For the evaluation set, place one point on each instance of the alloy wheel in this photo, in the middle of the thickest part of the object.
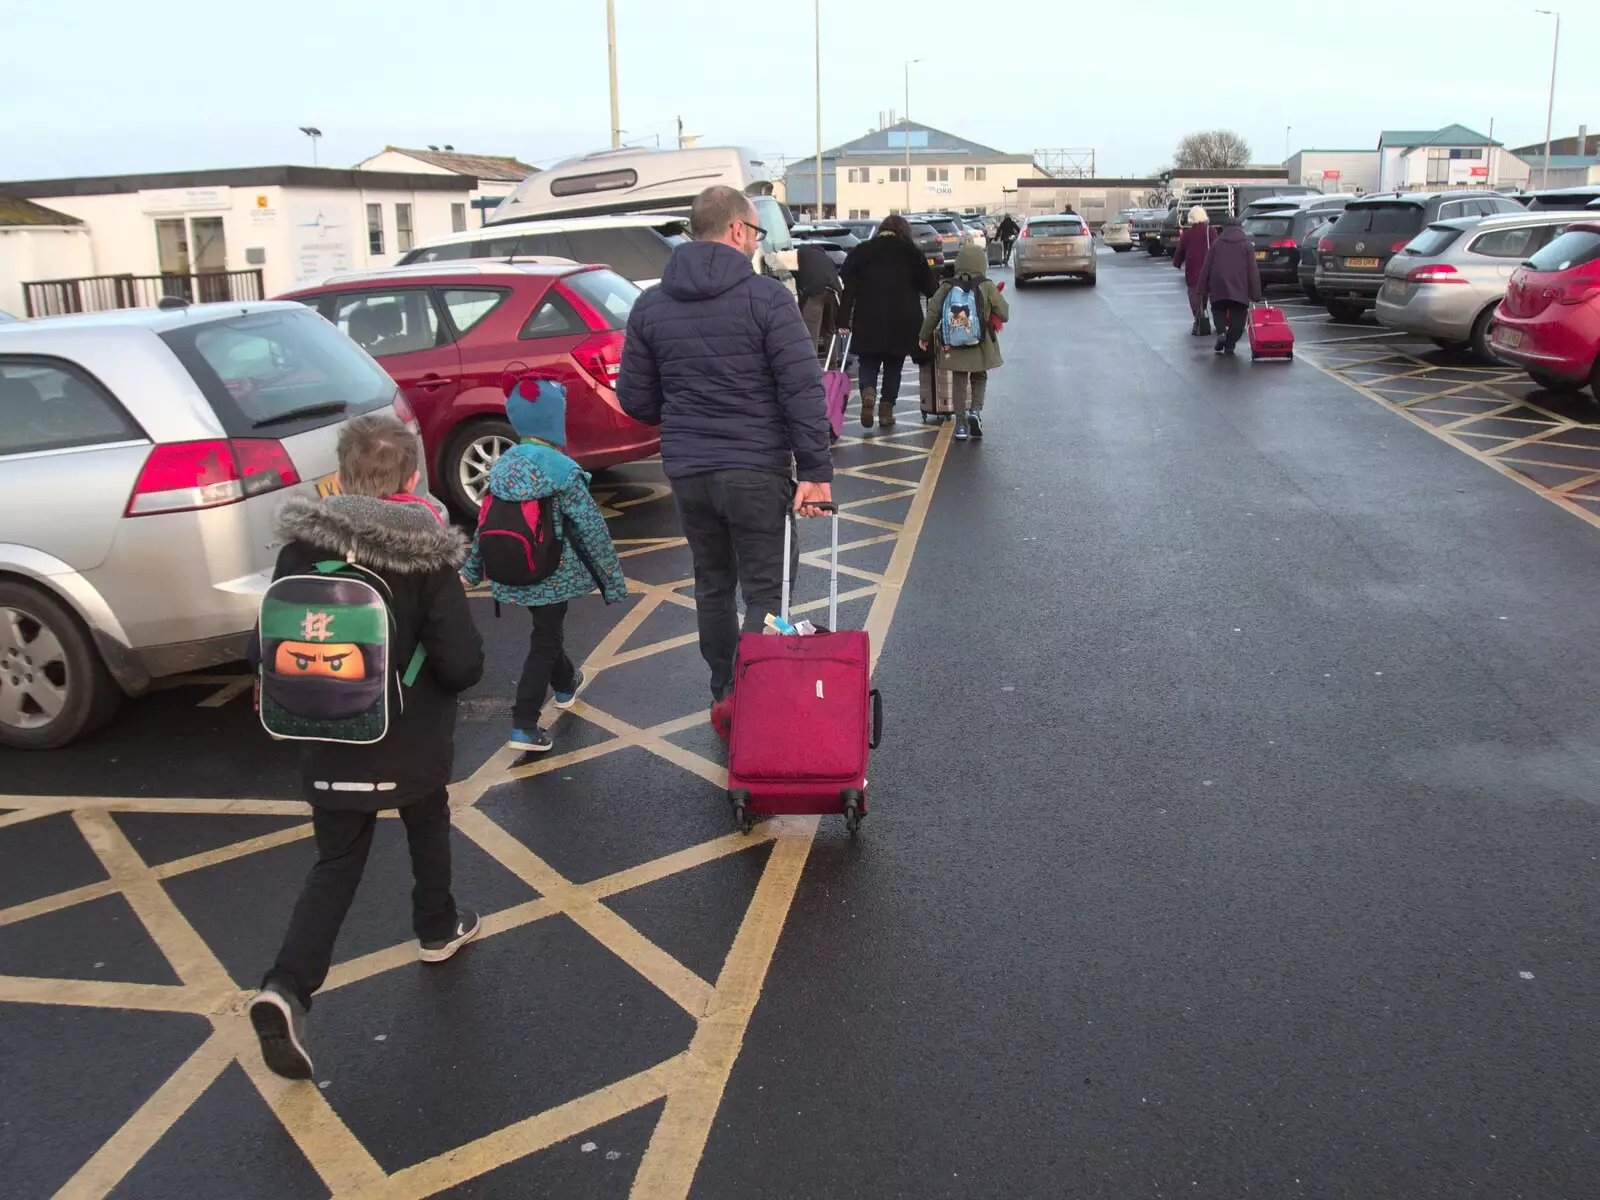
(33, 671)
(477, 460)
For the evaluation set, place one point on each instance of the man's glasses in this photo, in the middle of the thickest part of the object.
(760, 232)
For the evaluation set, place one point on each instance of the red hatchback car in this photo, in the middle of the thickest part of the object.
(448, 332)
(1549, 321)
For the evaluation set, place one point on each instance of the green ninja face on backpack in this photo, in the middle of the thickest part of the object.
(324, 659)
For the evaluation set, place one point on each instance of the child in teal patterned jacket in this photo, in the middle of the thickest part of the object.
(538, 470)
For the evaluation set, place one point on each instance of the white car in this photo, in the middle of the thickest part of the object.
(634, 246)
(1117, 232)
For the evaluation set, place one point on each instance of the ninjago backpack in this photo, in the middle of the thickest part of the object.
(327, 643)
(518, 540)
(959, 323)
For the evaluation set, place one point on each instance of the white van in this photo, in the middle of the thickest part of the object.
(634, 246)
(652, 181)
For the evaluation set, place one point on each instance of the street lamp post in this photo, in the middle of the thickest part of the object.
(312, 132)
(1549, 111)
(818, 35)
(909, 61)
(611, 56)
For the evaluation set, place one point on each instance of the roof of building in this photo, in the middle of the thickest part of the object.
(1328, 150)
(1450, 135)
(1560, 162)
(1563, 145)
(16, 211)
(1079, 181)
(925, 139)
(495, 167)
(281, 176)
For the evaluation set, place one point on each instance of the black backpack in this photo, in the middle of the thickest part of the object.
(517, 540)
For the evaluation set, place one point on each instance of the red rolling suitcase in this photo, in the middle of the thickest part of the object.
(1270, 335)
(806, 717)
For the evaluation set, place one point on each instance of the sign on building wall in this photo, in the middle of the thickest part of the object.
(938, 189)
(182, 200)
(321, 241)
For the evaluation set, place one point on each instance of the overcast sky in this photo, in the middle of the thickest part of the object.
(104, 86)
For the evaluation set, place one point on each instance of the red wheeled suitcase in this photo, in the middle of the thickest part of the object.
(806, 717)
(836, 385)
(1270, 335)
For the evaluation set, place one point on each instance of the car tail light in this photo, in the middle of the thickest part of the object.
(1579, 284)
(1399, 246)
(1325, 246)
(937, 240)
(1285, 244)
(1434, 273)
(182, 476)
(406, 414)
(601, 356)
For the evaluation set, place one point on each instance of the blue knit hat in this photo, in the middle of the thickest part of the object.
(537, 408)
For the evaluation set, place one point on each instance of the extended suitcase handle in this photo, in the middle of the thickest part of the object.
(827, 363)
(877, 718)
(827, 506)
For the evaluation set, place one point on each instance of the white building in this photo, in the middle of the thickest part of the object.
(37, 243)
(869, 176)
(238, 233)
(1350, 171)
(1452, 157)
(497, 174)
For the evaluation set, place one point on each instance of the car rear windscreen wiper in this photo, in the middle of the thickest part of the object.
(328, 408)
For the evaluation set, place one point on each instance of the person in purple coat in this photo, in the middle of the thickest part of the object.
(1191, 256)
(1230, 281)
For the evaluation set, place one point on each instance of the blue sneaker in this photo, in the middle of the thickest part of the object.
(538, 741)
(961, 431)
(566, 699)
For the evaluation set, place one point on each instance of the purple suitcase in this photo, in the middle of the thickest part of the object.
(836, 385)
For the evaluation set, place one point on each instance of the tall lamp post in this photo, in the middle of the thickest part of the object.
(818, 33)
(611, 57)
(909, 62)
(312, 132)
(1549, 112)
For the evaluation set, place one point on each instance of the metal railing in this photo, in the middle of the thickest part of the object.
(101, 293)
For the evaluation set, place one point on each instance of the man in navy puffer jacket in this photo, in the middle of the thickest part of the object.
(720, 359)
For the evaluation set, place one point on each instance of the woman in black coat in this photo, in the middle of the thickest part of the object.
(885, 280)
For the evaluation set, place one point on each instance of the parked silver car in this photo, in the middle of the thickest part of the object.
(1055, 245)
(1448, 280)
(144, 455)
(1117, 232)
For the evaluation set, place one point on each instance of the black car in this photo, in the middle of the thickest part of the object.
(1277, 227)
(862, 227)
(951, 234)
(1351, 259)
(836, 240)
(1307, 270)
(1221, 201)
(1563, 199)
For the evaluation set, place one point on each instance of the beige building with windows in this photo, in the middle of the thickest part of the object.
(497, 175)
(870, 178)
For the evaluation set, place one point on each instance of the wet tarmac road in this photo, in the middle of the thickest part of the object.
(1234, 834)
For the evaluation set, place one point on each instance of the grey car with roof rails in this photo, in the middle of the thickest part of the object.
(1450, 278)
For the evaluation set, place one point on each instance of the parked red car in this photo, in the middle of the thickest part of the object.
(1549, 321)
(446, 333)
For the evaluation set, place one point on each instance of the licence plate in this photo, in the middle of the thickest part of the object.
(1362, 264)
(1261, 254)
(328, 485)
(933, 262)
(1507, 337)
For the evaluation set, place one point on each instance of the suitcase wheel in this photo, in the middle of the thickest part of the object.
(852, 800)
(742, 820)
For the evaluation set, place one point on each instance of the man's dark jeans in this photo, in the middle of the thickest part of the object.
(733, 521)
(343, 840)
(892, 365)
(547, 665)
(1230, 318)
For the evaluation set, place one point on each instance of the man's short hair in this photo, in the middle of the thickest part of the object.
(715, 210)
(377, 456)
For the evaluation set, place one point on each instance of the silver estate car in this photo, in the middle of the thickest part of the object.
(1117, 232)
(1449, 279)
(1057, 245)
(144, 455)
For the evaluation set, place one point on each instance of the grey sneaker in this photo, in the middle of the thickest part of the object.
(280, 1025)
(468, 926)
(568, 699)
(975, 424)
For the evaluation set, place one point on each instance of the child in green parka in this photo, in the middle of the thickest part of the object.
(969, 365)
